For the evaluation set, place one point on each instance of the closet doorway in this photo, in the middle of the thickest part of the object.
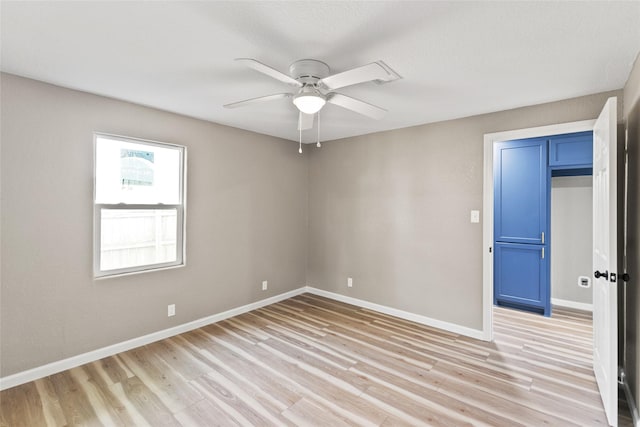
(527, 173)
(488, 203)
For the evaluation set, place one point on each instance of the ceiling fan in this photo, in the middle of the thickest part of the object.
(315, 87)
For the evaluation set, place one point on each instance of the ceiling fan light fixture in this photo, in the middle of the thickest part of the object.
(309, 100)
(309, 104)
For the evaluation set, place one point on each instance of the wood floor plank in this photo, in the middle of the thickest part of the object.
(284, 349)
(303, 324)
(283, 394)
(313, 361)
(398, 352)
(107, 407)
(320, 386)
(22, 406)
(228, 394)
(508, 408)
(179, 359)
(206, 413)
(414, 411)
(542, 403)
(428, 387)
(168, 385)
(294, 317)
(250, 386)
(143, 403)
(113, 369)
(51, 408)
(310, 346)
(75, 404)
(304, 411)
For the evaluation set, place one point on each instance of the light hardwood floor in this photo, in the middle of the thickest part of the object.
(313, 361)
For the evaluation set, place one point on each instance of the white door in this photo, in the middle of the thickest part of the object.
(605, 295)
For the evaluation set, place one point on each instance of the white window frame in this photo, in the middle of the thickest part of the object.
(180, 212)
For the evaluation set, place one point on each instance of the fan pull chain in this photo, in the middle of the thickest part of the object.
(318, 144)
(300, 146)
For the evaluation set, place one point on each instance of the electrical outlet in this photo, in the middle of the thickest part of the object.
(349, 282)
(475, 216)
(171, 310)
(265, 284)
(584, 282)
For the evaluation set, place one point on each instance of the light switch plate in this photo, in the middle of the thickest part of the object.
(475, 216)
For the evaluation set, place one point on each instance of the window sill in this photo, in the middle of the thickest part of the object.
(132, 273)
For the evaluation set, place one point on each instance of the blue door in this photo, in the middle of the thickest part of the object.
(520, 272)
(520, 191)
(521, 223)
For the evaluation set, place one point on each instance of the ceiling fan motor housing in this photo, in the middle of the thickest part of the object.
(309, 71)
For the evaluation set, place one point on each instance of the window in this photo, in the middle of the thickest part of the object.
(138, 205)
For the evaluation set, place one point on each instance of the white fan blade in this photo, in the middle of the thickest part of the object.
(305, 121)
(356, 105)
(271, 72)
(376, 71)
(258, 100)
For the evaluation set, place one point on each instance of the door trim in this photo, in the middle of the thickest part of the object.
(487, 204)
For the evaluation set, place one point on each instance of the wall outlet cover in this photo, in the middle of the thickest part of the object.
(584, 282)
(265, 285)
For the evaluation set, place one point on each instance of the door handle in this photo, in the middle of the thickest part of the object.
(598, 275)
(542, 237)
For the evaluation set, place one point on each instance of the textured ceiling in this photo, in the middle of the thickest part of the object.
(456, 58)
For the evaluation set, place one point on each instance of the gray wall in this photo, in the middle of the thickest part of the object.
(571, 237)
(391, 210)
(246, 222)
(632, 122)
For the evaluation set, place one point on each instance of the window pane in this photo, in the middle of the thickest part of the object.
(131, 237)
(136, 173)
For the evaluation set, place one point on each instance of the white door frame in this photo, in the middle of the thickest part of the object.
(487, 203)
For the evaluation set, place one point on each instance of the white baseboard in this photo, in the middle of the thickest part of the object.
(424, 320)
(92, 356)
(631, 402)
(572, 304)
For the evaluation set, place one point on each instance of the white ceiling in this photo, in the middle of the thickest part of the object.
(457, 59)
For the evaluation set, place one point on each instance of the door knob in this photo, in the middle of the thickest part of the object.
(598, 275)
